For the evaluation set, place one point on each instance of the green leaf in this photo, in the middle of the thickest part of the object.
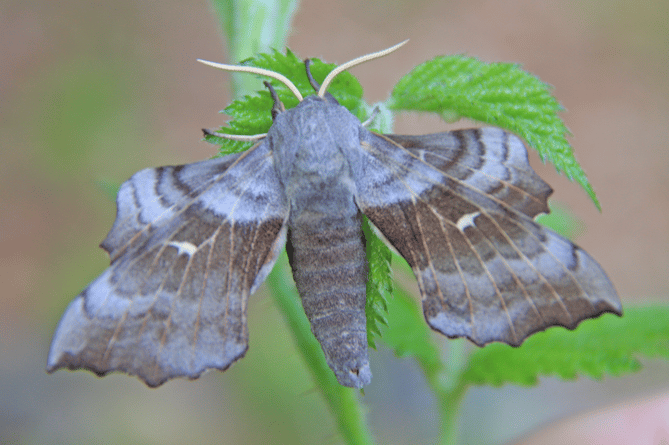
(379, 256)
(500, 94)
(379, 282)
(608, 345)
(345, 88)
(408, 335)
(562, 221)
(252, 114)
(247, 119)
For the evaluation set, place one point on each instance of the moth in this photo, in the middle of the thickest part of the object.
(191, 243)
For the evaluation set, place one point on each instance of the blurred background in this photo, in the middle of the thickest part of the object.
(91, 92)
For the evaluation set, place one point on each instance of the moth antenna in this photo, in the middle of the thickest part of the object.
(255, 70)
(315, 85)
(278, 106)
(356, 61)
(236, 137)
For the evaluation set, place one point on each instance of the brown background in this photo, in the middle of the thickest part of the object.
(90, 94)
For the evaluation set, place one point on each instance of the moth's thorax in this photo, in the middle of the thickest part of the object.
(314, 143)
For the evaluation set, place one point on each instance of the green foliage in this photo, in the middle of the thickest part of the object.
(345, 88)
(562, 221)
(408, 335)
(250, 115)
(608, 345)
(500, 94)
(379, 282)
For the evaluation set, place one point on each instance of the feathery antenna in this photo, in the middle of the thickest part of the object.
(261, 71)
(354, 62)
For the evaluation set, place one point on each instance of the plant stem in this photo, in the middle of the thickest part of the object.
(453, 391)
(443, 376)
(250, 27)
(449, 404)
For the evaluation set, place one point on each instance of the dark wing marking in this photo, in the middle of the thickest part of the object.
(458, 206)
(189, 245)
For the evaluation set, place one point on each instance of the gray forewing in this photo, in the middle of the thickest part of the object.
(188, 246)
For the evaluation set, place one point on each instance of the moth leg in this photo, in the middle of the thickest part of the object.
(370, 119)
(235, 137)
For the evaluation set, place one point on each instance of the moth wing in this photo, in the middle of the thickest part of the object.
(459, 207)
(189, 245)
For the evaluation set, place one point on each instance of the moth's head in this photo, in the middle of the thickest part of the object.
(321, 90)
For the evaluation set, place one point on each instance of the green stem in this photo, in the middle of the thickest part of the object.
(449, 398)
(449, 416)
(443, 377)
(453, 392)
(250, 27)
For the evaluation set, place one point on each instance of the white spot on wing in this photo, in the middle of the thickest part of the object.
(183, 247)
(467, 220)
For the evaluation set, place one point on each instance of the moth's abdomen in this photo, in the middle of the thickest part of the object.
(327, 254)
